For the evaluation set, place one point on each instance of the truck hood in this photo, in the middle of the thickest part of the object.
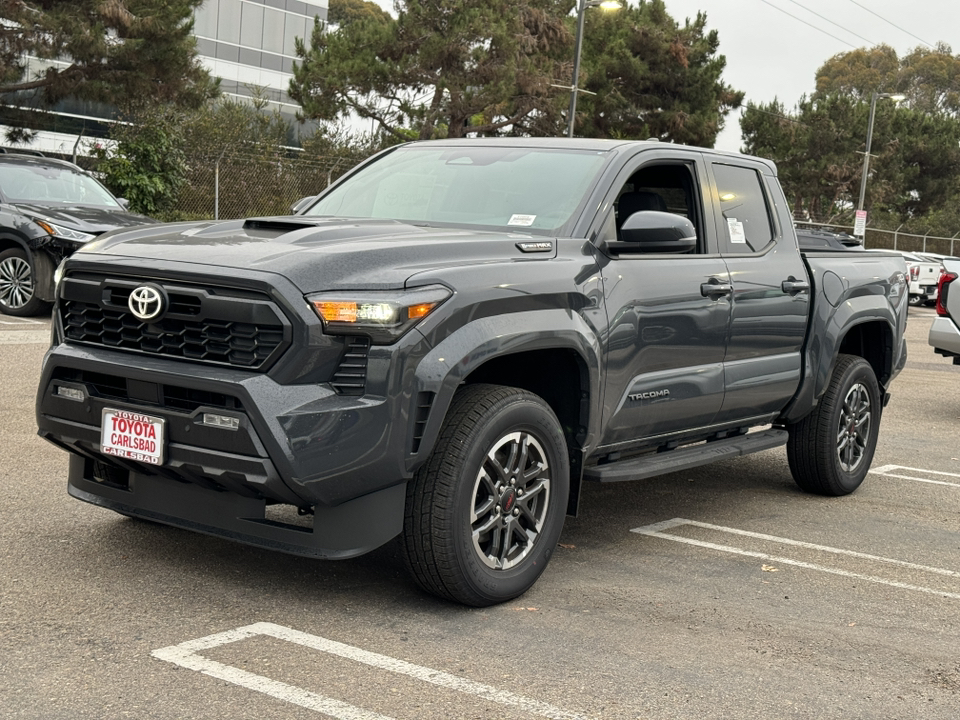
(85, 218)
(320, 253)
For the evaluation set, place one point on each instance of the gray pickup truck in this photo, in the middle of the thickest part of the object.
(446, 343)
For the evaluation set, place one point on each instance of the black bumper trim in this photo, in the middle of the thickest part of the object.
(345, 531)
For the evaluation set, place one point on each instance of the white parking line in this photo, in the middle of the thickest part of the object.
(25, 337)
(19, 321)
(185, 655)
(886, 471)
(657, 530)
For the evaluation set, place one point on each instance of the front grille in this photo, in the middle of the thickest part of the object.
(202, 324)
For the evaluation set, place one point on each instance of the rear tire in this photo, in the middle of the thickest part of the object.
(18, 287)
(484, 514)
(831, 449)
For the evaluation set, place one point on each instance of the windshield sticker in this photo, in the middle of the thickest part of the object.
(737, 235)
(522, 220)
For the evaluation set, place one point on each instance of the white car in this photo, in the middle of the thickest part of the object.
(923, 275)
(945, 331)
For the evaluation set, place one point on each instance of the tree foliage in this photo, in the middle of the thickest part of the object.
(653, 77)
(345, 12)
(146, 164)
(915, 154)
(928, 77)
(100, 50)
(440, 69)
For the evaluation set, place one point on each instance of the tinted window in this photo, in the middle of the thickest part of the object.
(746, 217)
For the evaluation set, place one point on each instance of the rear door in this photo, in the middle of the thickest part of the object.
(771, 291)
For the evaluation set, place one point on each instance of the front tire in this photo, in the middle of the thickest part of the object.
(831, 449)
(484, 514)
(18, 287)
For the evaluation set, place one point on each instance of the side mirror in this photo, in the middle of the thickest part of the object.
(301, 204)
(124, 203)
(651, 231)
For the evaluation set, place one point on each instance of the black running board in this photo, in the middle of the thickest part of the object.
(685, 458)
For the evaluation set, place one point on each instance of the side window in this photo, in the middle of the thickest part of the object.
(663, 188)
(746, 216)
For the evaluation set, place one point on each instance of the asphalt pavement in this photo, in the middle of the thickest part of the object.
(722, 592)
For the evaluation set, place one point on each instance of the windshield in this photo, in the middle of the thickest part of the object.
(47, 184)
(516, 188)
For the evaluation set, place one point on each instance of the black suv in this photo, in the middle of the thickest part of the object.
(48, 209)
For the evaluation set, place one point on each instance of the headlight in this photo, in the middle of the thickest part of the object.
(383, 316)
(62, 232)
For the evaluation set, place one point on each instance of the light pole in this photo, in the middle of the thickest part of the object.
(866, 155)
(584, 4)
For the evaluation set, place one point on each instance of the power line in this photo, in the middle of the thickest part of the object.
(824, 17)
(890, 23)
(765, 2)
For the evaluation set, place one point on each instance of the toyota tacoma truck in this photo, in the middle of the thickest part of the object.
(451, 339)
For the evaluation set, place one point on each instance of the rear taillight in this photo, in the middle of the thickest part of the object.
(914, 272)
(945, 279)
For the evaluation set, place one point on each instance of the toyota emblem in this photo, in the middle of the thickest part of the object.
(147, 302)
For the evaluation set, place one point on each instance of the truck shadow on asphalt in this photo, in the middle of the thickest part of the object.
(214, 570)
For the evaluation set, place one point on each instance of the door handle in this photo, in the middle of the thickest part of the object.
(715, 289)
(793, 286)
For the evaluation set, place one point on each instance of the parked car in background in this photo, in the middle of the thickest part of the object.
(922, 274)
(945, 331)
(48, 209)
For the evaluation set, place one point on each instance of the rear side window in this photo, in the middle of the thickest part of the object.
(746, 215)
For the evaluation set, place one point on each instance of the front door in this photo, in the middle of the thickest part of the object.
(668, 315)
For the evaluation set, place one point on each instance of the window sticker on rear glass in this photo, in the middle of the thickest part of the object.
(737, 235)
(522, 220)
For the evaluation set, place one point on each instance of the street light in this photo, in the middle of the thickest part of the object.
(866, 156)
(584, 4)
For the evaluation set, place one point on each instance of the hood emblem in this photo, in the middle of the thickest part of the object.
(147, 302)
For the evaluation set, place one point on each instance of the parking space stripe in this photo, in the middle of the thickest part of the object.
(25, 337)
(656, 530)
(886, 472)
(185, 655)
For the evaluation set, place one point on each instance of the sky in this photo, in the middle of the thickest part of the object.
(772, 55)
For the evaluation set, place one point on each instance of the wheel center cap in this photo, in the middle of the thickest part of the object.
(508, 500)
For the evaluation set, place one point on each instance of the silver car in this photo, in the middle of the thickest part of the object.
(945, 331)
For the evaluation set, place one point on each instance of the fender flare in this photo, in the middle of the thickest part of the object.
(443, 369)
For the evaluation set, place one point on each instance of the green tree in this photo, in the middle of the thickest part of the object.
(344, 12)
(146, 164)
(928, 77)
(819, 145)
(100, 50)
(441, 68)
(652, 77)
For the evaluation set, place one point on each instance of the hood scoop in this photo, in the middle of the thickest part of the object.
(312, 230)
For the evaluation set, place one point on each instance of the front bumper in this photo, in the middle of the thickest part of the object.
(344, 460)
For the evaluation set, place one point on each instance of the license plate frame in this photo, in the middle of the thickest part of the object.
(133, 436)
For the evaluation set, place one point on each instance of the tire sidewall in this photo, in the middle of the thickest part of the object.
(523, 415)
(859, 372)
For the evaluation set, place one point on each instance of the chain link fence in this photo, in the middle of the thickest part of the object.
(875, 238)
(252, 183)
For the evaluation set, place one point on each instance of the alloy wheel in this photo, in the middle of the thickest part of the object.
(510, 500)
(16, 283)
(853, 432)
